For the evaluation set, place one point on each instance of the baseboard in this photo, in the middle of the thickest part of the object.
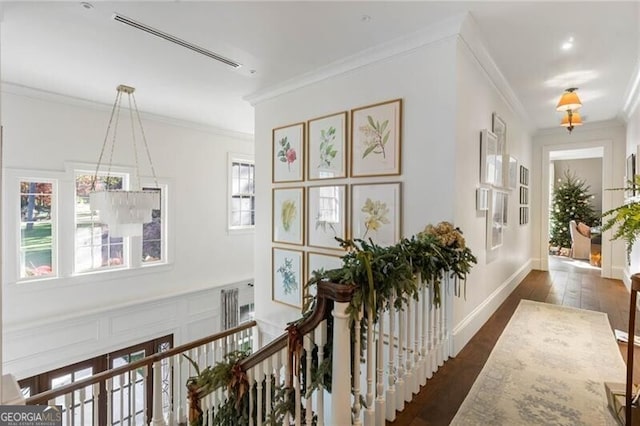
(536, 264)
(469, 326)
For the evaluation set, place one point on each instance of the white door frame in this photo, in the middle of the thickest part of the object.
(607, 203)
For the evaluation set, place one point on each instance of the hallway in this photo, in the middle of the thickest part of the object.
(569, 283)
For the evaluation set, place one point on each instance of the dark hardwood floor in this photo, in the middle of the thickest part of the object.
(568, 283)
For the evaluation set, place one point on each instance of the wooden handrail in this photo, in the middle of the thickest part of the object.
(45, 397)
(327, 294)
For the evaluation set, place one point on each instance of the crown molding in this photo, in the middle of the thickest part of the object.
(435, 32)
(472, 38)
(589, 126)
(39, 94)
(633, 95)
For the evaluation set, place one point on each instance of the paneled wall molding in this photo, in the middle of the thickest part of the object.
(433, 33)
(30, 92)
(42, 346)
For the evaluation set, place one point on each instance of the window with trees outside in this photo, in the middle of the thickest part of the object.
(152, 245)
(242, 190)
(95, 248)
(37, 229)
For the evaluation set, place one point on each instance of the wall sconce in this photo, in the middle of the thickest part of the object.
(571, 119)
(570, 103)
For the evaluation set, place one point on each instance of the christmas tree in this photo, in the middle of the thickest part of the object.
(571, 201)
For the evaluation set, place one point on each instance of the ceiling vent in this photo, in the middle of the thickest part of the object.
(176, 40)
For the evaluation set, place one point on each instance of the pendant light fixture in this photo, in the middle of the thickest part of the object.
(124, 211)
(570, 103)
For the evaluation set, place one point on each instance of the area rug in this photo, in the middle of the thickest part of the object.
(547, 368)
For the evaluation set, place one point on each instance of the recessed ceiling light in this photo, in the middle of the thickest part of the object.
(86, 5)
(365, 19)
(567, 44)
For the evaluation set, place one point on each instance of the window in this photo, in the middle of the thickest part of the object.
(37, 229)
(152, 234)
(242, 190)
(95, 248)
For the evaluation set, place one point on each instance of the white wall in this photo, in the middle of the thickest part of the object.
(588, 170)
(424, 78)
(496, 273)
(44, 132)
(611, 136)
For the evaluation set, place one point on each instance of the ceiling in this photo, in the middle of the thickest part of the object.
(65, 48)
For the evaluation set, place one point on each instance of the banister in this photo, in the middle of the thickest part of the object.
(327, 292)
(45, 397)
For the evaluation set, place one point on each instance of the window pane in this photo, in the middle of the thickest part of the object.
(246, 218)
(241, 203)
(235, 218)
(151, 251)
(36, 229)
(36, 262)
(246, 204)
(152, 234)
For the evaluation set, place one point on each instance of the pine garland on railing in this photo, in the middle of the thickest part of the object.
(382, 277)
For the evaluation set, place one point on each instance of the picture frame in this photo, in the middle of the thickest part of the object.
(505, 209)
(499, 128)
(524, 195)
(495, 219)
(317, 261)
(326, 215)
(524, 215)
(631, 172)
(376, 211)
(327, 147)
(376, 139)
(524, 175)
(288, 153)
(482, 199)
(511, 172)
(288, 215)
(488, 158)
(287, 267)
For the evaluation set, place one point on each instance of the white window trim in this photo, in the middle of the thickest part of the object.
(244, 158)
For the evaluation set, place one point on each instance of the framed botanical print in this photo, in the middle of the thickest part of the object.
(376, 132)
(495, 219)
(288, 153)
(482, 199)
(376, 212)
(489, 158)
(287, 275)
(327, 147)
(326, 215)
(499, 128)
(511, 171)
(320, 261)
(288, 214)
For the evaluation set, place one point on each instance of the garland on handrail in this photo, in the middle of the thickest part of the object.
(383, 277)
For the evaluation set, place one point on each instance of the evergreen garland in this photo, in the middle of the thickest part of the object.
(571, 201)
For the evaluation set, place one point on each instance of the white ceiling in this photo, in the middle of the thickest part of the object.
(62, 47)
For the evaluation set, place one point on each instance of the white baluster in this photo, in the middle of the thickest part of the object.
(121, 378)
(308, 348)
(145, 385)
(408, 381)
(181, 416)
(434, 332)
(68, 405)
(441, 327)
(96, 404)
(211, 405)
(340, 378)
(356, 371)
(391, 389)
(380, 401)
(297, 392)
(417, 359)
(425, 333)
(82, 396)
(400, 384)
(285, 363)
(259, 378)
(449, 324)
(268, 399)
(171, 389)
(132, 394)
(109, 392)
(321, 340)
(369, 412)
(158, 418)
(250, 380)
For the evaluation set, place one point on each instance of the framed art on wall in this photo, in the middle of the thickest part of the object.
(488, 157)
(524, 175)
(511, 174)
(321, 261)
(376, 212)
(288, 214)
(327, 147)
(288, 153)
(499, 128)
(482, 199)
(631, 172)
(326, 215)
(287, 275)
(495, 219)
(376, 132)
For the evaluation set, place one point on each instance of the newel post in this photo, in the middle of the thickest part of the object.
(341, 375)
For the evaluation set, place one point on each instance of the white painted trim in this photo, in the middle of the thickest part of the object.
(473, 40)
(536, 263)
(633, 94)
(33, 93)
(435, 32)
(607, 203)
(469, 326)
(621, 273)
